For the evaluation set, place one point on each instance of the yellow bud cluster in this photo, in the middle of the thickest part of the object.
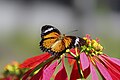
(92, 47)
(96, 45)
(9, 67)
(13, 68)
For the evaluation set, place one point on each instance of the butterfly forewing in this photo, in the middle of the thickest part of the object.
(49, 31)
(58, 47)
(49, 35)
(52, 34)
(47, 43)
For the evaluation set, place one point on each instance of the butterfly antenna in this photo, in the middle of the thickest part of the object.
(72, 31)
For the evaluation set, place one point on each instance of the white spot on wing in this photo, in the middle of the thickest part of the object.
(49, 29)
(76, 41)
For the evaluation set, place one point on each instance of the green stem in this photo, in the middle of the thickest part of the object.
(72, 54)
(77, 58)
(78, 65)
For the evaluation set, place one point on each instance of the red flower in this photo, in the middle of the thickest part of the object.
(91, 57)
(85, 59)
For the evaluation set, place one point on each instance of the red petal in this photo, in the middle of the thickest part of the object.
(98, 40)
(110, 67)
(93, 72)
(85, 64)
(116, 61)
(84, 61)
(48, 72)
(74, 74)
(74, 51)
(88, 36)
(39, 75)
(71, 61)
(62, 74)
(113, 61)
(103, 71)
(34, 61)
(26, 75)
(114, 77)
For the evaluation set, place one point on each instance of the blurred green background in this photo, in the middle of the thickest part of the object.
(21, 21)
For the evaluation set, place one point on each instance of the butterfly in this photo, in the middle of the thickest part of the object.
(56, 43)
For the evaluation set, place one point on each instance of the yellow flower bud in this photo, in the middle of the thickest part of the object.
(9, 67)
(93, 41)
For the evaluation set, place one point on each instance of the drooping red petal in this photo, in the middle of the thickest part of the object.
(110, 67)
(62, 74)
(85, 64)
(26, 75)
(48, 72)
(114, 77)
(117, 66)
(34, 61)
(113, 61)
(103, 71)
(93, 72)
(74, 74)
(39, 75)
(71, 61)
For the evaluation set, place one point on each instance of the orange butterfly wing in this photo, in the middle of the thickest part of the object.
(48, 42)
(58, 46)
(49, 35)
(52, 34)
(67, 41)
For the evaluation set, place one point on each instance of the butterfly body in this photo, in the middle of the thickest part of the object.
(55, 43)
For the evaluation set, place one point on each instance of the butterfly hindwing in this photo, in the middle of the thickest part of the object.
(73, 41)
(80, 42)
(68, 41)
